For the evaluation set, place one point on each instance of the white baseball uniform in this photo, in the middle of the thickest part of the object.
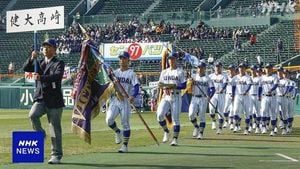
(171, 100)
(268, 101)
(254, 104)
(281, 99)
(128, 80)
(228, 108)
(198, 104)
(217, 100)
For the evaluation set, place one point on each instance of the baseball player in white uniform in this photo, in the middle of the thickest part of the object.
(219, 80)
(202, 90)
(268, 101)
(229, 97)
(241, 100)
(128, 80)
(255, 99)
(281, 99)
(291, 96)
(171, 80)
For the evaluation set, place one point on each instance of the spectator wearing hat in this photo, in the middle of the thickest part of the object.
(219, 80)
(48, 97)
(202, 90)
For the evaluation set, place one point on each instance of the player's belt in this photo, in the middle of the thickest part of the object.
(253, 94)
(197, 95)
(280, 95)
(268, 95)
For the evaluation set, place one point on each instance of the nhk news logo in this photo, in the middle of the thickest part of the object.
(28, 147)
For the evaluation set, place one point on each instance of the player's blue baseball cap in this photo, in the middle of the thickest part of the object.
(231, 66)
(173, 55)
(50, 42)
(124, 55)
(243, 65)
(253, 67)
(218, 64)
(268, 65)
(201, 64)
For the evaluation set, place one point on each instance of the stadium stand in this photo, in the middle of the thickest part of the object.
(125, 6)
(176, 5)
(27, 4)
(3, 4)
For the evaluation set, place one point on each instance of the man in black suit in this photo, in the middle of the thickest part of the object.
(48, 98)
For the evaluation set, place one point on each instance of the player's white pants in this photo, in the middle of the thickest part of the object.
(290, 107)
(218, 101)
(198, 106)
(170, 104)
(254, 105)
(117, 107)
(282, 105)
(228, 107)
(240, 106)
(268, 107)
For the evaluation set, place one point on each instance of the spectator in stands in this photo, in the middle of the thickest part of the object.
(11, 68)
(252, 39)
(279, 45)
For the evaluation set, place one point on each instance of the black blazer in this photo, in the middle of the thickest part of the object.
(48, 88)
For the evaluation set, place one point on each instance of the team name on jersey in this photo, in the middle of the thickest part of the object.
(124, 80)
(201, 83)
(171, 78)
(241, 82)
(218, 80)
(267, 82)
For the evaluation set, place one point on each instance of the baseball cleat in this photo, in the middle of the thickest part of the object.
(195, 132)
(275, 130)
(283, 131)
(235, 129)
(246, 132)
(213, 125)
(118, 139)
(219, 131)
(272, 133)
(250, 129)
(257, 131)
(231, 127)
(254, 125)
(200, 136)
(174, 142)
(225, 125)
(166, 137)
(123, 149)
(289, 130)
(263, 130)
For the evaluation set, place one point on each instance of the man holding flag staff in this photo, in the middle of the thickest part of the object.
(128, 81)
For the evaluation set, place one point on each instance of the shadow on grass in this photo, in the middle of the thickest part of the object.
(196, 154)
(141, 166)
(264, 139)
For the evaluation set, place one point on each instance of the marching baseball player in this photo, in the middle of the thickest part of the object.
(219, 80)
(281, 99)
(202, 90)
(241, 100)
(291, 96)
(254, 93)
(171, 80)
(128, 80)
(269, 85)
(230, 88)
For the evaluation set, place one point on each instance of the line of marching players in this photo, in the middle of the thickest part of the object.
(264, 98)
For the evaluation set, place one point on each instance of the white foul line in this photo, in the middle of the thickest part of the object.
(287, 157)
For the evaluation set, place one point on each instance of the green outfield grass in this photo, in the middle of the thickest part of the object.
(215, 151)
